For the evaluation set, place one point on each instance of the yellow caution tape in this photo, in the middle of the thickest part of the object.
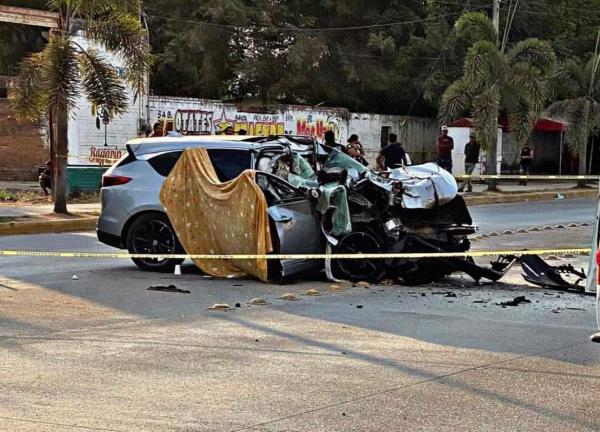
(472, 254)
(528, 177)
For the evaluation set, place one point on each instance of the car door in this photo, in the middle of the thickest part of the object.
(295, 222)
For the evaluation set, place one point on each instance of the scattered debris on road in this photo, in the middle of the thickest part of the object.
(540, 273)
(514, 302)
(169, 288)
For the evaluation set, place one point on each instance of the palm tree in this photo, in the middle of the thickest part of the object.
(516, 81)
(581, 107)
(52, 80)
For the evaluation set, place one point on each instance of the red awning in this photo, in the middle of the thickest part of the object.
(549, 125)
(542, 125)
(462, 122)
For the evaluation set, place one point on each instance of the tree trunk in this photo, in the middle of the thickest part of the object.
(52, 135)
(492, 160)
(60, 173)
(583, 147)
(582, 170)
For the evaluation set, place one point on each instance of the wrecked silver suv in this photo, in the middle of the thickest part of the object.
(411, 209)
(319, 201)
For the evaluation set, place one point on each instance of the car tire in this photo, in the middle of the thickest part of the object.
(357, 242)
(152, 233)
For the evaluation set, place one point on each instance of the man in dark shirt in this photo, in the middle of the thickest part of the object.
(392, 155)
(525, 163)
(472, 150)
(329, 140)
(444, 147)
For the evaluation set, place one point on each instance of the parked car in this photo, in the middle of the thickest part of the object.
(133, 217)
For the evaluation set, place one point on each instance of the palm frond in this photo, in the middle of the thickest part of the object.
(522, 118)
(569, 78)
(577, 113)
(121, 32)
(60, 73)
(90, 7)
(456, 101)
(533, 53)
(527, 82)
(485, 116)
(592, 73)
(28, 98)
(101, 83)
(484, 65)
(476, 26)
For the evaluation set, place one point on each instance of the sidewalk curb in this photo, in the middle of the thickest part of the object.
(47, 227)
(503, 198)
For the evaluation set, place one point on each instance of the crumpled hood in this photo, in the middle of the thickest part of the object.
(425, 186)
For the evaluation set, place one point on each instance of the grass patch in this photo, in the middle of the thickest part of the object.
(7, 195)
(32, 197)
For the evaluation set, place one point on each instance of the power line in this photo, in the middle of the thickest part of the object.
(233, 27)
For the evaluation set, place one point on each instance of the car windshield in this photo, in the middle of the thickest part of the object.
(341, 160)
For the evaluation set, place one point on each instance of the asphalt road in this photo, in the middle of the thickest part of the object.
(104, 353)
(498, 217)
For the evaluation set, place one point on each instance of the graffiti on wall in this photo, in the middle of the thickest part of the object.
(253, 124)
(193, 122)
(205, 122)
(316, 125)
(104, 156)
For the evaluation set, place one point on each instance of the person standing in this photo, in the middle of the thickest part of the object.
(392, 155)
(444, 147)
(329, 140)
(355, 150)
(45, 177)
(472, 149)
(525, 163)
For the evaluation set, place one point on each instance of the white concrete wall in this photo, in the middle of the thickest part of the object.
(417, 135)
(208, 116)
(86, 141)
(461, 138)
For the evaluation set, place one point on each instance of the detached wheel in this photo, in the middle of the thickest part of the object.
(371, 270)
(152, 233)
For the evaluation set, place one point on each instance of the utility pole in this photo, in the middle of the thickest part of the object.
(496, 19)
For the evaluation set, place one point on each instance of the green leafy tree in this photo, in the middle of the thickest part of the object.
(517, 82)
(51, 81)
(580, 86)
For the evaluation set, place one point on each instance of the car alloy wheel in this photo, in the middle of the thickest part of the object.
(152, 233)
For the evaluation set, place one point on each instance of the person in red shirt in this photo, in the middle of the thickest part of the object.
(444, 147)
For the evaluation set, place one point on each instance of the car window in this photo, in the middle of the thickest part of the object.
(276, 190)
(164, 163)
(229, 164)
